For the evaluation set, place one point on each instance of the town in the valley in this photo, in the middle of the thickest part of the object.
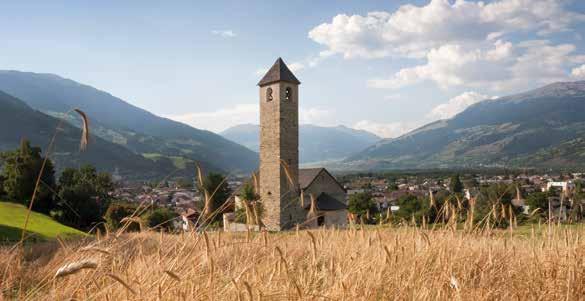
(282, 195)
(563, 191)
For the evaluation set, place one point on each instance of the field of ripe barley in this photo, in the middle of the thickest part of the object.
(372, 264)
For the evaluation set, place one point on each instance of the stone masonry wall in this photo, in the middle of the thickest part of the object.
(279, 140)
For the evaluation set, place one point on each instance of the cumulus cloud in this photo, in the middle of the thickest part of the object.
(456, 105)
(385, 130)
(499, 66)
(462, 43)
(224, 33)
(579, 72)
(222, 119)
(414, 30)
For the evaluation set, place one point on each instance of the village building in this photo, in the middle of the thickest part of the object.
(565, 186)
(318, 185)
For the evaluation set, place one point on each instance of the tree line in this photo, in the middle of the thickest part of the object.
(493, 203)
(80, 198)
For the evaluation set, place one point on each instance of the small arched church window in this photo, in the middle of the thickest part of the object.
(269, 94)
(288, 94)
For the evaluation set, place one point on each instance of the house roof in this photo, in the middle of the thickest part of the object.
(307, 176)
(277, 73)
(326, 202)
(191, 213)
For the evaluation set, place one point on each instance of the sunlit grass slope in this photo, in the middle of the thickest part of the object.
(40, 226)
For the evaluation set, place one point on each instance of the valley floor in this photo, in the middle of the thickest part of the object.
(374, 264)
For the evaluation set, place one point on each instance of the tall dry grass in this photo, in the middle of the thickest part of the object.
(369, 264)
(83, 142)
(372, 264)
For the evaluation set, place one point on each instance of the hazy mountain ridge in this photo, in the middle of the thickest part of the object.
(528, 129)
(317, 143)
(117, 121)
(19, 121)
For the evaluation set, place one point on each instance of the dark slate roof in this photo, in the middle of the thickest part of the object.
(278, 72)
(326, 202)
(307, 175)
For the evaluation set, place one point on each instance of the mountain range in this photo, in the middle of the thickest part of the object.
(19, 121)
(542, 128)
(133, 129)
(316, 143)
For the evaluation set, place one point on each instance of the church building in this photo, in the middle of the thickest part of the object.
(290, 197)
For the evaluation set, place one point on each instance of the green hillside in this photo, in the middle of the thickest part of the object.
(40, 226)
(19, 121)
(543, 128)
(130, 127)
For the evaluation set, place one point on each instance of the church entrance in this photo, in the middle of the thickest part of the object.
(321, 220)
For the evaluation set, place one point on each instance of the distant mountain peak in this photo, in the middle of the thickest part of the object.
(317, 143)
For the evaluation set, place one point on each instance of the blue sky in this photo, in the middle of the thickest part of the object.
(385, 66)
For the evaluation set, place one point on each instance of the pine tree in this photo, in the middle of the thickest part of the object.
(456, 186)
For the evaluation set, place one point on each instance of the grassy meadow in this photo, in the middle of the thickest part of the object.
(40, 227)
(377, 263)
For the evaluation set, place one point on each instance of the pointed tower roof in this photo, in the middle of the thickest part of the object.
(278, 72)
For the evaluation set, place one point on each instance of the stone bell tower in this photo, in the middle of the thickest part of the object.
(279, 148)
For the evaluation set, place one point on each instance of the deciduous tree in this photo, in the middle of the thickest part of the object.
(83, 196)
(21, 168)
(218, 191)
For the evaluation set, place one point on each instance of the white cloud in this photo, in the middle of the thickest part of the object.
(414, 30)
(463, 43)
(224, 33)
(316, 116)
(385, 130)
(498, 66)
(456, 105)
(579, 72)
(219, 120)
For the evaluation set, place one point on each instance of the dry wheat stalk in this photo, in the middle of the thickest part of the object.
(49, 150)
(173, 275)
(74, 267)
(122, 282)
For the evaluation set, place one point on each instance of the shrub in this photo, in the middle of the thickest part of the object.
(160, 218)
(411, 206)
(116, 212)
(360, 204)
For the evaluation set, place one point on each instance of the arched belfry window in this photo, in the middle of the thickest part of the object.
(269, 94)
(288, 94)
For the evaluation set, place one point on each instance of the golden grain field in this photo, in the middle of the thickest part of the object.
(373, 264)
